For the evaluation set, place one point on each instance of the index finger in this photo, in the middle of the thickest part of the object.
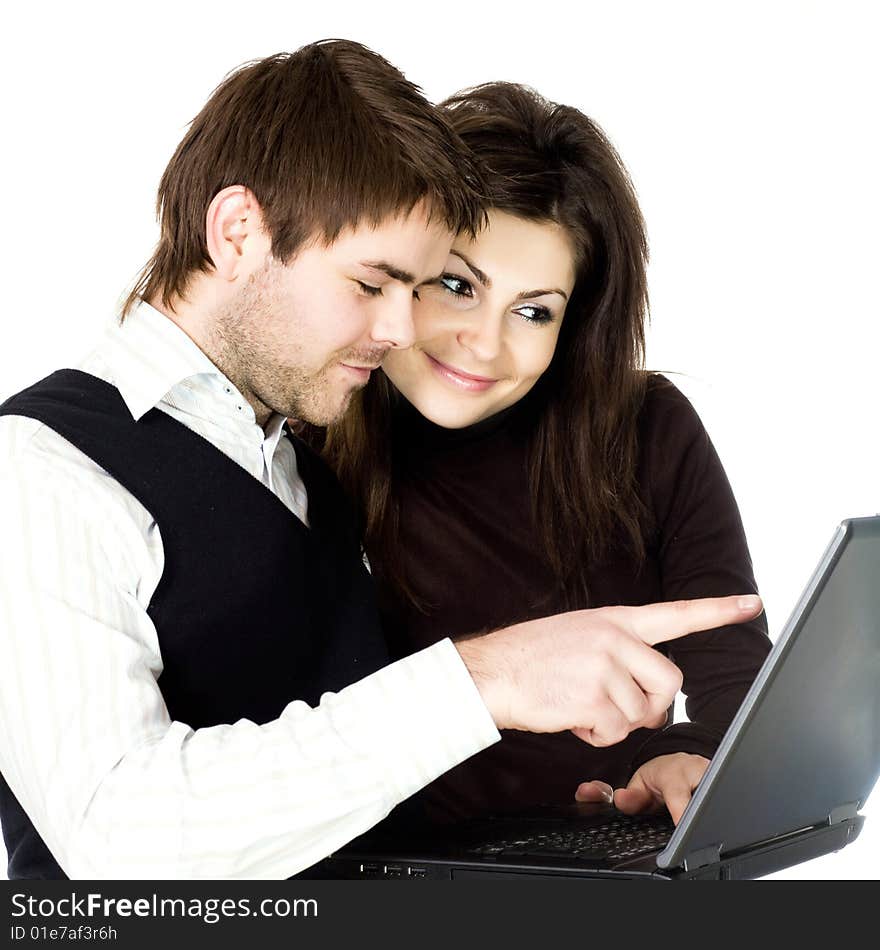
(657, 623)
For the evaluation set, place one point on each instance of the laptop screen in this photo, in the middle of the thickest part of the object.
(805, 743)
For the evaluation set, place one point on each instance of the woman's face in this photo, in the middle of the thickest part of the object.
(487, 328)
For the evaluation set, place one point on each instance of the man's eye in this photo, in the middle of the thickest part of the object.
(369, 289)
(456, 285)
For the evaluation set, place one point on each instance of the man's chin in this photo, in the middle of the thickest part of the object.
(325, 414)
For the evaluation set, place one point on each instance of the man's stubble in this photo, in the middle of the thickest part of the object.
(245, 344)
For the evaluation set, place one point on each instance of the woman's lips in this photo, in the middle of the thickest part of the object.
(466, 382)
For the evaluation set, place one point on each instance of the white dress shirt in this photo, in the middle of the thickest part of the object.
(112, 785)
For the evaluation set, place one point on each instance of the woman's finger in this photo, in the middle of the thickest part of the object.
(594, 791)
(676, 795)
(634, 800)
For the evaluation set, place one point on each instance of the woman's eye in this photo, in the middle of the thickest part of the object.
(535, 314)
(369, 289)
(456, 285)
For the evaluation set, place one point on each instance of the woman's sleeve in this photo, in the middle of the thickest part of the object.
(702, 552)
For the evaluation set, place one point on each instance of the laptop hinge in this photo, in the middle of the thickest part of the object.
(703, 857)
(843, 812)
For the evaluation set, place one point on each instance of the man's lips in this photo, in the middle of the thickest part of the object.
(362, 373)
(466, 382)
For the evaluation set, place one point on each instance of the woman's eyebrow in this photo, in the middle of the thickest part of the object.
(526, 294)
(484, 279)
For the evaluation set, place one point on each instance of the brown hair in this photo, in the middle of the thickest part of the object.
(327, 137)
(545, 162)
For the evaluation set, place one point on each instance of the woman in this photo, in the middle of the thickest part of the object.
(528, 465)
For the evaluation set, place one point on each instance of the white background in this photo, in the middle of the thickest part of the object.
(749, 130)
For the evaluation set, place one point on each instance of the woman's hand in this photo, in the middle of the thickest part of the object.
(668, 780)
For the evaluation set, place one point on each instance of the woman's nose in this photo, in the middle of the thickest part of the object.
(482, 338)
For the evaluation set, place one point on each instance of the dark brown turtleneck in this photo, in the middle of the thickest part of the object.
(473, 554)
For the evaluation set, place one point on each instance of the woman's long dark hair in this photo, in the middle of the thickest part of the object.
(547, 163)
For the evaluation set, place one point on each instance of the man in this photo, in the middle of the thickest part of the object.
(194, 680)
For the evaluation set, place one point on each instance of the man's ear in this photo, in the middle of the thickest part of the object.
(237, 241)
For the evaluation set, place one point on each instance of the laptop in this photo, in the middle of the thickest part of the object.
(786, 784)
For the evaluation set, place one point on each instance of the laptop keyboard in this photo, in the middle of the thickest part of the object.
(620, 837)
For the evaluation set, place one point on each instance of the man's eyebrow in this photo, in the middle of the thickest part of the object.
(484, 279)
(526, 294)
(395, 273)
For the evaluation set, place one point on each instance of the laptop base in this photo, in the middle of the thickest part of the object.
(759, 861)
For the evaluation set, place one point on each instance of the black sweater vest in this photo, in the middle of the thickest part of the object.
(253, 609)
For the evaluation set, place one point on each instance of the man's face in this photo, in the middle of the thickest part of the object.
(300, 339)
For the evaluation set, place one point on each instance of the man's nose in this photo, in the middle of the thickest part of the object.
(394, 323)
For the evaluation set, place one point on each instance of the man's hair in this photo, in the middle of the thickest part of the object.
(328, 137)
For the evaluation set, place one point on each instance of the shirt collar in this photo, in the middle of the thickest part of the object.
(274, 428)
(148, 355)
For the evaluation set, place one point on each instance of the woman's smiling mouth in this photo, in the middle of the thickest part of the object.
(465, 382)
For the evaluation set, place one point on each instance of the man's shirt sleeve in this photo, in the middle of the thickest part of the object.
(118, 790)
